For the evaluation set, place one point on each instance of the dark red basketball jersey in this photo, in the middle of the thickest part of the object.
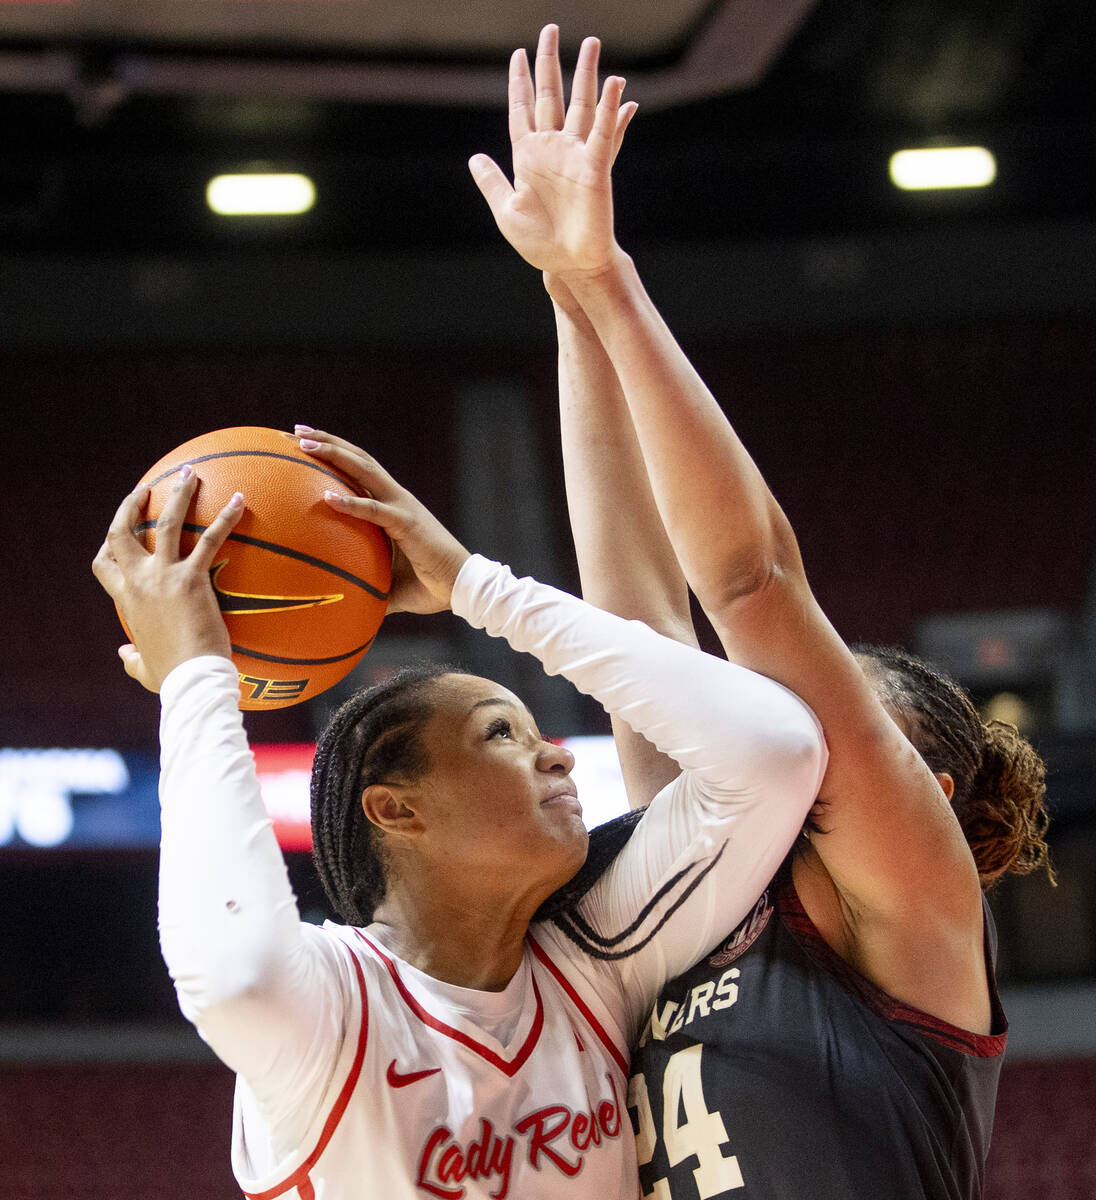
(774, 1071)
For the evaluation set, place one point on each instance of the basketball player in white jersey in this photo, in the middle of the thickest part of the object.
(466, 1032)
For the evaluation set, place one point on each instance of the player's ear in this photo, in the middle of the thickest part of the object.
(387, 805)
(946, 783)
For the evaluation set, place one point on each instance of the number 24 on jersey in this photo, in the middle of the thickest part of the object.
(701, 1135)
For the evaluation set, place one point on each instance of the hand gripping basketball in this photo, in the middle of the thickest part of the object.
(165, 598)
(302, 589)
(427, 556)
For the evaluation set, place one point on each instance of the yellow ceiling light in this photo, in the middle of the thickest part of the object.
(258, 194)
(943, 167)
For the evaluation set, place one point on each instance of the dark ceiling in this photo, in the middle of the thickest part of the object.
(109, 137)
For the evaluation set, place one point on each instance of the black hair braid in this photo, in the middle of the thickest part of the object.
(373, 736)
(332, 768)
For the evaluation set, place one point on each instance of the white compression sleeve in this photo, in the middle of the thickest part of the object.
(225, 899)
(262, 989)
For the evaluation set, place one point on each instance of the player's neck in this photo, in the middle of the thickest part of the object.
(473, 943)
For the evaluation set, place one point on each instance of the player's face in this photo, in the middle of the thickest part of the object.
(497, 795)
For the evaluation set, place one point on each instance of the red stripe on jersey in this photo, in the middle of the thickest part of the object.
(619, 1058)
(509, 1069)
(299, 1179)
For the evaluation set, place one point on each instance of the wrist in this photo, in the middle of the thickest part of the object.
(593, 286)
(571, 320)
(454, 567)
(206, 639)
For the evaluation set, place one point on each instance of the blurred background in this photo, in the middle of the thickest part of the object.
(912, 367)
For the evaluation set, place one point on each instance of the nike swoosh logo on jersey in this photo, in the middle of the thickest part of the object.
(242, 602)
(398, 1079)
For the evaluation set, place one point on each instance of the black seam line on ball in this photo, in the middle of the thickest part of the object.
(302, 462)
(300, 662)
(189, 527)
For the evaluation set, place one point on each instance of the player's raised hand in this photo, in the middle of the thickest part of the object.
(165, 599)
(426, 557)
(558, 212)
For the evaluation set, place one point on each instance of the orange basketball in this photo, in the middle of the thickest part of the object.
(302, 588)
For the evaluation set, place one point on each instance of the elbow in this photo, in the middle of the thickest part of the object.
(782, 768)
(752, 572)
(758, 552)
(791, 753)
(802, 752)
(748, 573)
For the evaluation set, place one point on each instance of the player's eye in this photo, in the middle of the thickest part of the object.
(499, 727)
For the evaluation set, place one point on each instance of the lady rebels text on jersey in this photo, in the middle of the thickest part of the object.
(358, 1075)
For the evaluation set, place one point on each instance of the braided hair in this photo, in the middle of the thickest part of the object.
(1000, 780)
(373, 736)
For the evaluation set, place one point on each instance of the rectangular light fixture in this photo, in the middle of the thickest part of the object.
(260, 195)
(943, 167)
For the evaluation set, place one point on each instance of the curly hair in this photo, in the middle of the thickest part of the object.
(1000, 780)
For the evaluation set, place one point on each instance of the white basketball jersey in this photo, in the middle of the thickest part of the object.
(425, 1104)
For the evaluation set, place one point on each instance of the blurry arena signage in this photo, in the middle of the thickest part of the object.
(104, 799)
(94, 798)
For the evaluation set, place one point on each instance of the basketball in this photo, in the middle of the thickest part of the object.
(301, 587)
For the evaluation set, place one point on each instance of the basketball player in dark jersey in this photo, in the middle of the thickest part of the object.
(845, 1040)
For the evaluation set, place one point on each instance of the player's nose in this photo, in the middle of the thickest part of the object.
(553, 757)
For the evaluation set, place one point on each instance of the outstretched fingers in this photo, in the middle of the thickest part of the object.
(121, 547)
(364, 508)
(521, 98)
(322, 443)
(105, 568)
(603, 141)
(549, 108)
(169, 524)
(583, 107)
(491, 180)
(352, 460)
(624, 118)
